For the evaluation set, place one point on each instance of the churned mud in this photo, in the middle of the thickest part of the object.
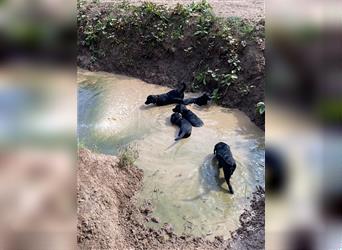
(108, 217)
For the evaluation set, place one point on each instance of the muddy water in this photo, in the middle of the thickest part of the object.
(182, 178)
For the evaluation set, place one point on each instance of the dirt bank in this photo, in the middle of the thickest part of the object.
(224, 57)
(109, 219)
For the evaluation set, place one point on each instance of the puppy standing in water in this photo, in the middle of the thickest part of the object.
(189, 115)
(226, 161)
(185, 127)
(200, 101)
(173, 96)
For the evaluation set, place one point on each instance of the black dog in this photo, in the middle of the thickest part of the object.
(185, 127)
(226, 161)
(200, 101)
(189, 115)
(173, 96)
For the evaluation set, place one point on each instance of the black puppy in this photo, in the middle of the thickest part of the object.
(173, 96)
(189, 115)
(200, 101)
(185, 127)
(226, 161)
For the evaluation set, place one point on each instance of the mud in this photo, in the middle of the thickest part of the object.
(108, 217)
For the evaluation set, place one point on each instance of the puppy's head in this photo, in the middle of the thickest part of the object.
(175, 117)
(205, 97)
(179, 108)
(151, 99)
(220, 145)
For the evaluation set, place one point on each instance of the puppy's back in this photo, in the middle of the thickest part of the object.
(176, 119)
(222, 150)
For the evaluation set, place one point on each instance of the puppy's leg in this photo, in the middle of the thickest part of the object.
(220, 162)
(227, 176)
(181, 135)
(230, 187)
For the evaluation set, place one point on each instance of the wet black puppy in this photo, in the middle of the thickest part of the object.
(226, 161)
(184, 125)
(200, 101)
(189, 115)
(173, 96)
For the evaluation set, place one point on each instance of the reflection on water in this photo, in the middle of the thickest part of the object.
(181, 178)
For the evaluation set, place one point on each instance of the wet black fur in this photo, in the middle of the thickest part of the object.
(189, 115)
(173, 96)
(200, 101)
(226, 161)
(184, 125)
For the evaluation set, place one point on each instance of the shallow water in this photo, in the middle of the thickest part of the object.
(181, 178)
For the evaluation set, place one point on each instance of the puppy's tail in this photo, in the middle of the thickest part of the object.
(180, 136)
(187, 101)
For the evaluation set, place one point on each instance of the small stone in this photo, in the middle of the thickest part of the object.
(168, 228)
(155, 220)
(162, 238)
(219, 238)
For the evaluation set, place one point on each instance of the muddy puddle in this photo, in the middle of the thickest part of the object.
(181, 179)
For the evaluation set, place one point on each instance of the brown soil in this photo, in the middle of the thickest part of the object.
(109, 219)
(251, 233)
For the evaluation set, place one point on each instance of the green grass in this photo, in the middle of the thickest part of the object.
(127, 156)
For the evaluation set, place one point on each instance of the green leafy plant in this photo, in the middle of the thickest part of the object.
(216, 96)
(127, 156)
(240, 26)
(222, 79)
(228, 78)
(200, 7)
(261, 107)
(200, 78)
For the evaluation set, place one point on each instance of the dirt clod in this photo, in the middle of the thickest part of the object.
(155, 220)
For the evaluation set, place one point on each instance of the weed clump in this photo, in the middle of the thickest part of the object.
(127, 156)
